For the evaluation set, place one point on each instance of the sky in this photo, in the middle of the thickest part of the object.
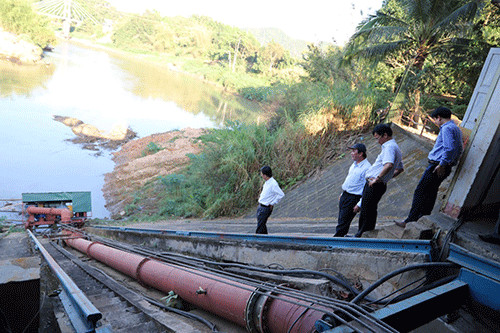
(311, 20)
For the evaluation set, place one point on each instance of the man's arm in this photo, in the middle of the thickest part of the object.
(397, 172)
(387, 167)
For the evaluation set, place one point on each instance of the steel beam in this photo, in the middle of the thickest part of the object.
(405, 245)
(82, 313)
(413, 312)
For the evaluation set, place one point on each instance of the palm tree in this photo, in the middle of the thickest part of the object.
(413, 30)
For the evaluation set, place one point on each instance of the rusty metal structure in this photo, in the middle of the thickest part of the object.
(237, 302)
(56, 207)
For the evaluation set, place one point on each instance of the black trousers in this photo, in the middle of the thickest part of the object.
(368, 214)
(263, 214)
(425, 194)
(346, 215)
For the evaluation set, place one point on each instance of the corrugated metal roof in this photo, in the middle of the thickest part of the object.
(81, 201)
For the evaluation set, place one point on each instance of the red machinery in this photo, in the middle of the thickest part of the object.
(259, 310)
(46, 216)
(56, 207)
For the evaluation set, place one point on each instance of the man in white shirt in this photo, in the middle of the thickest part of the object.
(389, 164)
(271, 194)
(352, 189)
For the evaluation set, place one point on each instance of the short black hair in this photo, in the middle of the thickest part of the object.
(442, 112)
(266, 170)
(381, 129)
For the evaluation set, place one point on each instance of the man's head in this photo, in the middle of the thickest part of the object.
(441, 115)
(358, 152)
(266, 172)
(382, 133)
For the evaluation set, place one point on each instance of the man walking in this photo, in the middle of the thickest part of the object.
(352, 188)
(442, 157)
(389, 164)
(271, 194)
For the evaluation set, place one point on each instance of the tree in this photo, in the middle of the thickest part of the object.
(18, 17)
(413, 30)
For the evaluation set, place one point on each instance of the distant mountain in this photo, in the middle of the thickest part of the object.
(267, 35)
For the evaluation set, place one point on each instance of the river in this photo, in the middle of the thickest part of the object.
(102, 89)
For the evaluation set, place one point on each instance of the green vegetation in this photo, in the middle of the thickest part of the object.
(151, 148)
(428, 39)
(409, 57)
(18, 17)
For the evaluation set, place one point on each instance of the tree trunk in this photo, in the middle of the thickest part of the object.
(236, 55)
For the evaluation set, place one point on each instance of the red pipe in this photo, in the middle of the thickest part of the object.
(242, 304)
(50, 215)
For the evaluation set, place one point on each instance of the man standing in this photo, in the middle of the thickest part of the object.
(352, 188)
(442, 157)
(389, 164)
(271, 194)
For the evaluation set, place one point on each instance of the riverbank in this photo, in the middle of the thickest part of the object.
(13, 49)
(136, 164)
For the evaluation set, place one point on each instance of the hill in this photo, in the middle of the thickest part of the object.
(267, 35)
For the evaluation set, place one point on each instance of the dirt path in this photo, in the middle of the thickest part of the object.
(136, 164)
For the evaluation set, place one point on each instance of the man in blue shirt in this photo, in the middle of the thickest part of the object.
(442, 157)
(352, 188)
(389, 164)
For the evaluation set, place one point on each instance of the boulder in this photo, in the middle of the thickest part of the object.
(17, 50)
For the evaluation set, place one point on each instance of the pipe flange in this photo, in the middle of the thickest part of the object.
(88, 249)
(256, 306)
(138, 270)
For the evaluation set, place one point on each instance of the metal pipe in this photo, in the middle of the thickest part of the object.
(63, 212)
(256, 308)
(88, 314)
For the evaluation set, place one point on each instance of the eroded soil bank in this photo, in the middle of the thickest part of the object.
(136, 164)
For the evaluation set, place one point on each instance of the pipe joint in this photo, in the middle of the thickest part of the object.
(256, 309)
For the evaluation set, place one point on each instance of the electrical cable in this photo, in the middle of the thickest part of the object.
(182, 313)
(288, 292)
(386, 277)
(423, 288)
(378, 301)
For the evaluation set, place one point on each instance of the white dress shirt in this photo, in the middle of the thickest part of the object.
(271, 193)
(356, 178)
(390, 154)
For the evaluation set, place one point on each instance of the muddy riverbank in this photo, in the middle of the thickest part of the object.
(140, 161)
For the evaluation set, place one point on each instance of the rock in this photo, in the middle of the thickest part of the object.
(87, 130)
(68, 121)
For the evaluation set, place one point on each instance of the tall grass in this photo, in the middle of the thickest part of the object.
(224, 180)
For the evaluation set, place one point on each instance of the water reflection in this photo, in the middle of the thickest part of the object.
(104, 91)
(22, 80)
(151, 81)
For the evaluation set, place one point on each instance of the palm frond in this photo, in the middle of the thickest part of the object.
(465, 13)
(380, 34)
(381, 51)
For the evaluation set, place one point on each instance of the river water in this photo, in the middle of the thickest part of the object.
(101, 89)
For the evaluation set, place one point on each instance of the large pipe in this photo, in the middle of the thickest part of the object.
(254, 308)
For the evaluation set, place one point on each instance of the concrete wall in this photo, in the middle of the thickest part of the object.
(470, 185)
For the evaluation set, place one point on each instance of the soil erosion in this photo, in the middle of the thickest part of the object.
(136, 164)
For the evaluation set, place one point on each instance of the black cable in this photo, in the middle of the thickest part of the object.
(396, 291)
(297, 319)
(386, 277)
(334, 304)
(182, 313)
(423, 288)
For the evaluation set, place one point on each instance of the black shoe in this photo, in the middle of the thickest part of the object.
(358, 234)
(490, 238)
